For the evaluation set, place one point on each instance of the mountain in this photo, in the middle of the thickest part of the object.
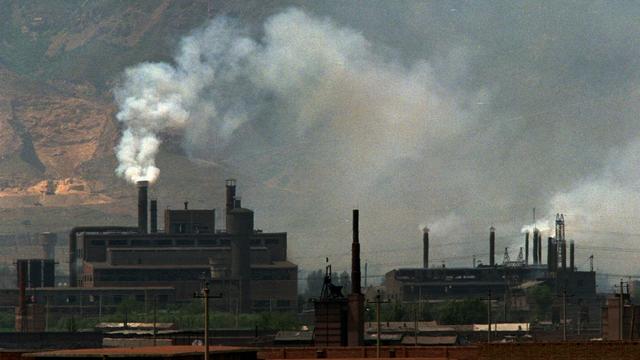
(59, 61)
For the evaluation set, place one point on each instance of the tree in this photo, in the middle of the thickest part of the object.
(542, 299)
(315, 280)
(468, 311)
(345, 281)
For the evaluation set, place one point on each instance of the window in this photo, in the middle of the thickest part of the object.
(225, 242)
(272, 241)
(97, 242)
(179, 228)
(255, 242)
(163, 242)
(117, 242)
(283, 303)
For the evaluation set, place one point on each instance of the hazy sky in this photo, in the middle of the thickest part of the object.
(455, 115)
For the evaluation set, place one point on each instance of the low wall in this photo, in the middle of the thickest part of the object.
(562, 351)
(521, 351)
(441, 352)
(50, 340)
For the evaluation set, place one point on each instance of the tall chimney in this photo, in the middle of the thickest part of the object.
(572, 256)
(535, 246)
(355, 255)
(143, 188)
(552, 252)
(492, 246)
(539, 248)
(231, 193)
(425, 247)
(153, 222)
(526, 248)
(563, 244)
(355, 310)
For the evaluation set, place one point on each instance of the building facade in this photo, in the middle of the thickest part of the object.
(247, 266)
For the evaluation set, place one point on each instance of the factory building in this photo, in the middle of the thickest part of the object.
(507, 282)
(247, 266)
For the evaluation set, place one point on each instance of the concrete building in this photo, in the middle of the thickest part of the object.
(248, 266)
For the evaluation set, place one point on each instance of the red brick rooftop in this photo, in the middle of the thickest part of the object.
(155, 351)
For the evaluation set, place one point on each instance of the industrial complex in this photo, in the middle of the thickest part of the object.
(506, 283)
(248, 271)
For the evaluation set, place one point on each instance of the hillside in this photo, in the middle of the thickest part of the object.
(58, 63)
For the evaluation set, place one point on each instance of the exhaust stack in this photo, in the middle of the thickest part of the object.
(231, 193)
(539, 247)
(143, 189)
(355, 312)
(425, 247)
(552, 255)
(153, 222)
(572, 256)
(492, 246)
(355, 255)
(526, 248)
(535, 247)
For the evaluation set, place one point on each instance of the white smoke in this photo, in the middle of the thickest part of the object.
(305, 74)
(541, 225)
(157, 96)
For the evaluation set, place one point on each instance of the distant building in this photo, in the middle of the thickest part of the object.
(505, 283)
(249, 267)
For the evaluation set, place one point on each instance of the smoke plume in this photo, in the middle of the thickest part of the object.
(462, 115)
(308, 71)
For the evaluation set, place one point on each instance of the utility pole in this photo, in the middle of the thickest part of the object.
(564, 297)
(378, 301)
(155, 318)
(564, 314)
(415, 324)
(204, 294)
(489, 318)
(621, 321)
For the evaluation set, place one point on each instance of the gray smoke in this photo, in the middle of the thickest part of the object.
(456, 115)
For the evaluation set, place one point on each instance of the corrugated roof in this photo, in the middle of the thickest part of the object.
(502, 327)
(289, 335)
(431, 340)
(134, 325)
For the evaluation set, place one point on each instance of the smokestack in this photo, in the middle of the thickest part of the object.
(563, 244)
(572, 256)
(492, 246)
(231, 193)
(143, 188)
(535, 246)
(539, 248)
(153, 222)
(552, 252)
(355, 255)
(526, 248)
(425, 247)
